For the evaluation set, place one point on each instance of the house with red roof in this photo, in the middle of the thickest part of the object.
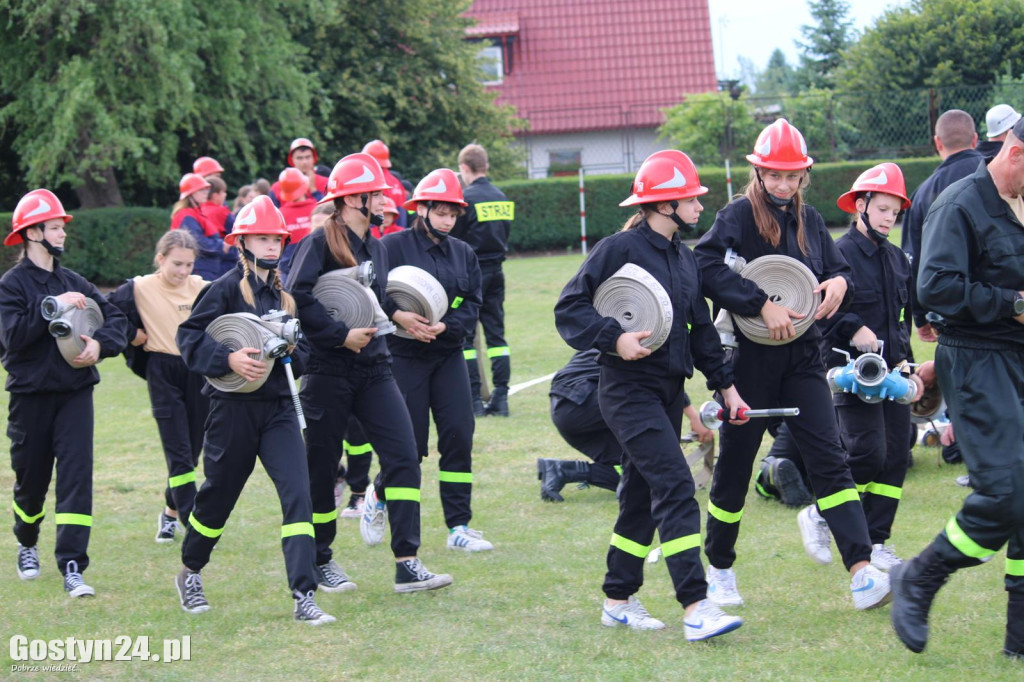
(591, 77)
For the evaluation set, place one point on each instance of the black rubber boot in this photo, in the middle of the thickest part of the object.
(498, 404)
(1014, 647)
(784, 476)
(478, 407)
(914, 585)
(555, 473)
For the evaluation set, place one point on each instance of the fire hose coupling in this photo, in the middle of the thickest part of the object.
(68, 323)
(712, 414)
(868, 377)
(348, 298)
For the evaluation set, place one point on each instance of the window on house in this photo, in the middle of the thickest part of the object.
(492, 64)
(564, 162)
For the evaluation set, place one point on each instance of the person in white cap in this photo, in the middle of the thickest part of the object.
(998, 121)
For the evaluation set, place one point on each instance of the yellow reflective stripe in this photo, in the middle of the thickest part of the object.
(203, 530)
(959, 539)
(325, 518)
(836, 499)
(395, 494)
(495, 210)
(903, 314)
(469, 354)
(862, 487)
(363, 449)
(454, 477)
(1015, 567)
(883, 490)
(25, 517)
(680, 545)
(722, 515)
(301, 528)
(498, 352)
(72, 519)
(618, 469)
(181, 479)
(761, 491)
(689, 326)
(630, 547)
(457, 302)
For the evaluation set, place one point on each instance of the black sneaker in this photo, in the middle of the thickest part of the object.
(332, 578)
(306, 610)
(190, 590)
(412, 576)
(165, 528)
(28, 562)
(73, 583)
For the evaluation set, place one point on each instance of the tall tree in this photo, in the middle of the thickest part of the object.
(778, 78)
(711, 126)
(824, 41)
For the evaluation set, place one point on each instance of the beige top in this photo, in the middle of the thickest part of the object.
(162, 308)
(1016, 205)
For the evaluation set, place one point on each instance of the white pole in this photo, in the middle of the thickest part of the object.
(728, 182)
(583, 216)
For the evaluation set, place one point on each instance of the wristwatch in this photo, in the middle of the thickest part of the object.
(1018, 304)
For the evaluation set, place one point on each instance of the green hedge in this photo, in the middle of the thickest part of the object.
(547, 210)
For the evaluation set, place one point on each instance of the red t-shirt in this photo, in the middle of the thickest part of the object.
(216, 215)
(296, 217)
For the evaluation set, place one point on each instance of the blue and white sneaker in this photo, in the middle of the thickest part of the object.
(632, 614)
(870, 588)
(722, 587)
(468, 540)
(707, 621)
(374, 519)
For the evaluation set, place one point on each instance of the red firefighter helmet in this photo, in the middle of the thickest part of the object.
(36, 207)
(780, 146)
(357, 173)
(259, 216)
(206, 166)
(390, 206)
(378, 150)
(885, 178)
(438, 185)
(299, 143)
(667, 175)
(189, 184)
(293, 184)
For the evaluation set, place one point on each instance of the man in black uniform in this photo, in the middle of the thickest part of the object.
(972, 273)
(955, 139)
(485, 227)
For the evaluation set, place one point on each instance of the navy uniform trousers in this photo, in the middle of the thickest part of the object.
(583, 427)
(238, 432)
(492, 318)
(359, 457)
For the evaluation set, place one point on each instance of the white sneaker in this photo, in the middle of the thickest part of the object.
(632, 614)
(870, 588)
(707, 621)
(354, 510)
(469, 540)
(374, 518)
(722, 587)
(815, 534)
(883, 558)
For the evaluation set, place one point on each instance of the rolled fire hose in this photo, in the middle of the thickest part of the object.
(701, 459)
(638, 302)
(788, 283)
(348, 300)
(68, 323)
(245, 330)
(415, 290)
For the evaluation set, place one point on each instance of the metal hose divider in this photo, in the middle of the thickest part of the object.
(245, 330)
(788, 283)
(68, 323)
(415, 290)
(638, 302)
(349, 301)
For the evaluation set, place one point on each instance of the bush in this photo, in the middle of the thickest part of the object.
(547, 210)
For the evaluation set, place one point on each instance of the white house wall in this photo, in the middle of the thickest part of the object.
(601, 152)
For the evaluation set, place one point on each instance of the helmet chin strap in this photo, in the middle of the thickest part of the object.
(781, 203)
(430, 226)
(876, 236)
(55, 251)
(265, 263)
(684, 227)
(376, 219)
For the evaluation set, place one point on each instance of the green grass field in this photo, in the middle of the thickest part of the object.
(528, 610)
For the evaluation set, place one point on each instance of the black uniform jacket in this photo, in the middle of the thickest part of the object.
(972, 262)
(454, 265)
(208, 357)
(880, 302)
(673, 265)
(29, 353)
(485, 225)
(578, 379)
(734, 228)
(953, 168)
(327, 337)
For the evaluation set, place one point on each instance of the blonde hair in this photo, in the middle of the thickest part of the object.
(174, 239)
(767, 226)
(287, 302)
(337, 238)
(187, 202)
(642, 212)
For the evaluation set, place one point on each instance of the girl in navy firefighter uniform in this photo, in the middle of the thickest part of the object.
(641, 394)
(156, 304)
(772, 219)
(877, 435)
(350, 373)
(429, 368)
(50, 415)
(244, 426)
